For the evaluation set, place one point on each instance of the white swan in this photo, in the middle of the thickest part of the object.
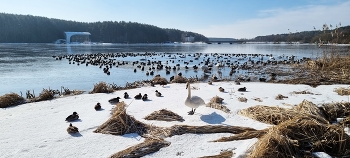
(193, 101)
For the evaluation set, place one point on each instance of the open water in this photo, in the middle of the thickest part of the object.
(33, 67)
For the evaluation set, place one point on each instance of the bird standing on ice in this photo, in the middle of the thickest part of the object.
(193, 101)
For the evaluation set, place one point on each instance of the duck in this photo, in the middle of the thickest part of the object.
(242, 89)
(237, 83)
(114, 100)
(126, 95)
(158, 94)
(193, 101)
(139, 96)
(221, 89)
(210, 82)
(72, 129)
(98, 106)
(73, 117)
(144, 97)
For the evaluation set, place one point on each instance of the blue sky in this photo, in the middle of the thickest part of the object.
(212, 18)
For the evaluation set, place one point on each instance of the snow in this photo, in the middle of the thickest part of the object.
(39, 130)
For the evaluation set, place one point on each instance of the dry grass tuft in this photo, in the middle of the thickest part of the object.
(179, 79)
(345, 122)
(164, 115)
(11, 99)
(280, 97)
(120, 123)
(304, 133)
(160, 80)
(102, 87)
(257, 99)
(216, 103)
(242, 99)
(149, 146)
(223, 154)
(342, 91)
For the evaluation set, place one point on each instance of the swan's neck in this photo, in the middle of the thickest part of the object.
(189, 91)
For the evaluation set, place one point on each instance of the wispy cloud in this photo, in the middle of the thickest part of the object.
(277, 21)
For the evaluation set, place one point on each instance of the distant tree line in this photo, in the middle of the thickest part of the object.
(34, 29)
(328, 34)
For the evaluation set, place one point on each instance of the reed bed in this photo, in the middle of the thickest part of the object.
(164, 115)
(160, 80)
(179, 79)
(147, 147)
(11, 99)
(216, 103)
(335, 110)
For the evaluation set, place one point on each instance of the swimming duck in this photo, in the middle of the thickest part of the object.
(98, 106)
(139, 96)
(73, 117)
(144, 98)
(72, 129)
(114, 100)
(242, 89)
(126, 95)
(221, 89)
(158, 94)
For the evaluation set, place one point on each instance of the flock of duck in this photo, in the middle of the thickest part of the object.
(151, 62)
(191, 101)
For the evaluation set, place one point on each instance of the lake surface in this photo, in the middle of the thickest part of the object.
(33, 67)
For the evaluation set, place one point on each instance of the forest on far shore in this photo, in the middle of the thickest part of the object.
(328, 34)
(34, 29)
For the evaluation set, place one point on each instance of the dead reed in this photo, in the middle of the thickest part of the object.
(147, 147)
(342, 91)
(243, 136)
(11, 99)
(46, 94)
(102, 87)
(242, 99)
(280, 97)
(223, 154)
(164, 115)
(302, 92)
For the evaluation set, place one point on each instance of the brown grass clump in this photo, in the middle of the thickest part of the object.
(268, 114)
(305, 133)
(147, 147)
(336, 110)
(216, 103)
(120, 123)
(302, 92)
(242, 99)
(257, 99)
(342, 91)
(345, 121)
(11, 99)
(46, 94)
(160, 80)
(164, 115)
(179, 79)
(223, 154)
(102, 87)
(280, 97)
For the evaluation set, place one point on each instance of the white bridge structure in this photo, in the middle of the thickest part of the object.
(77, 37)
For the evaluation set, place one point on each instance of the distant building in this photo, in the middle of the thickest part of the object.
(77, 37)
(188, 39)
